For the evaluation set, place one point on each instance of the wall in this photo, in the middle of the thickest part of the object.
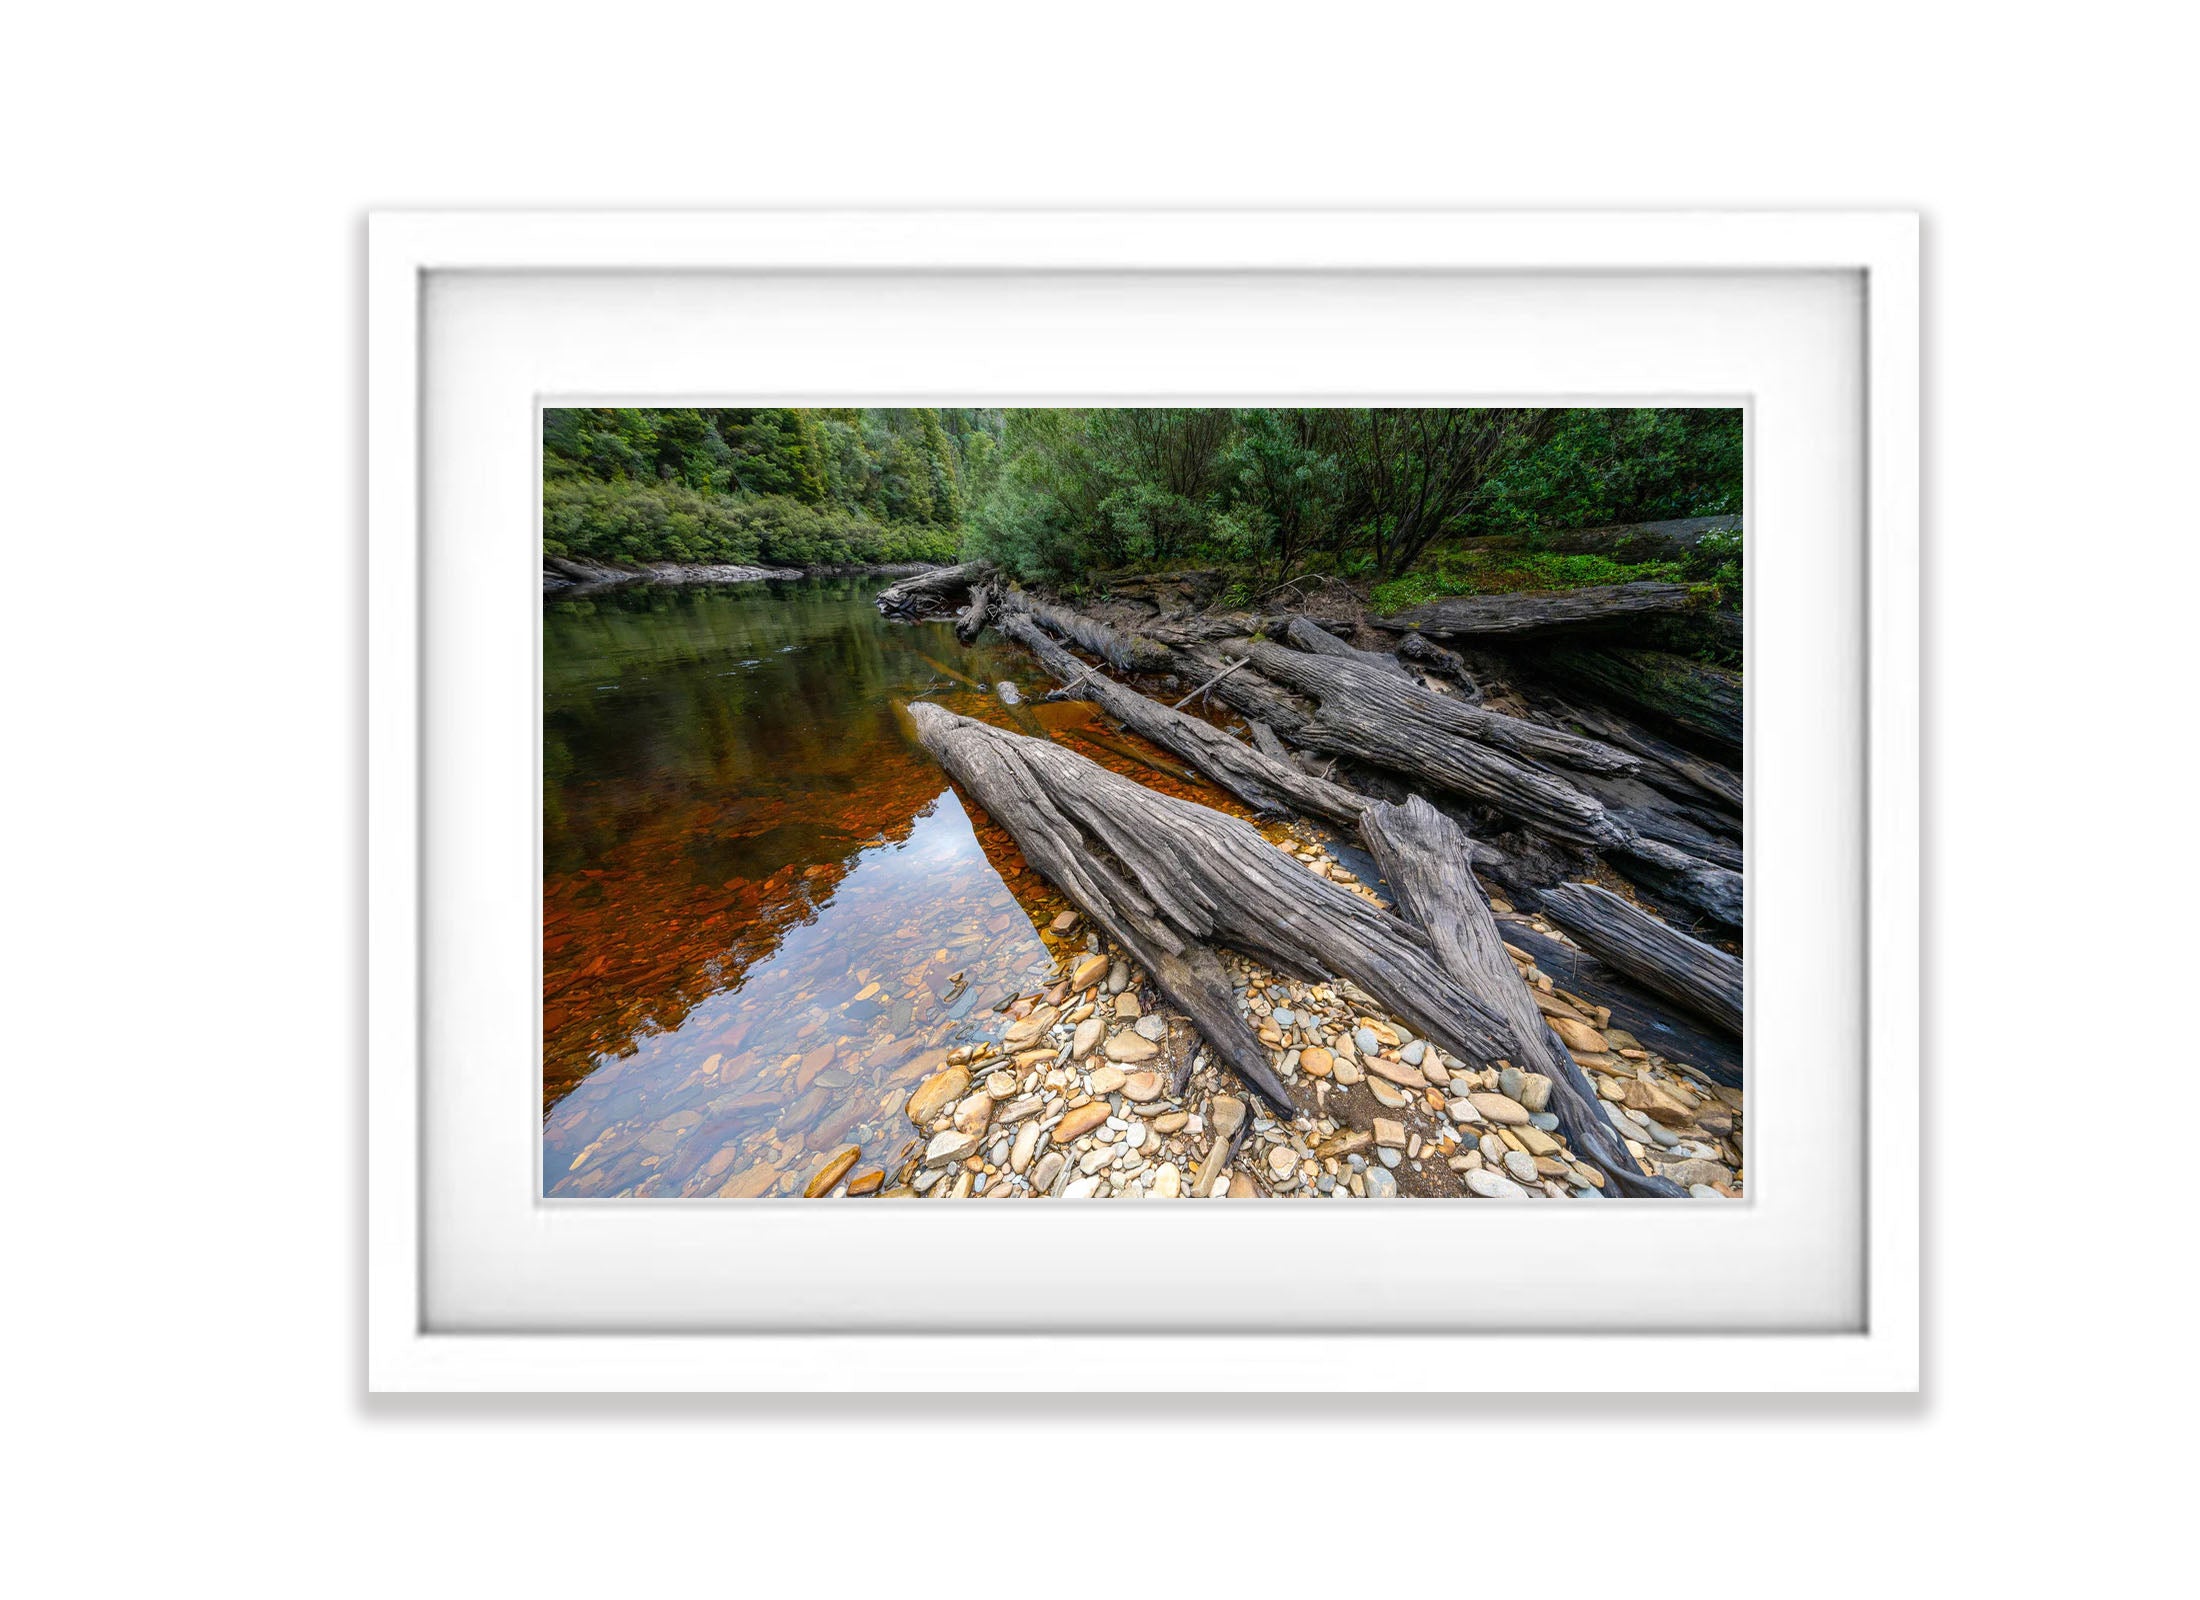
(183, 411)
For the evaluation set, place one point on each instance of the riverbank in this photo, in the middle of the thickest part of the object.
(568, 575)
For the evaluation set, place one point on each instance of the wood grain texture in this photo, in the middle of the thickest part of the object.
(1519, 616)
(936, 590)
(1700, 977)
(1423, 855)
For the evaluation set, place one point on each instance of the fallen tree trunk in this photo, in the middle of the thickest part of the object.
(1315, 640)
(1517, 616)
(1691, 695)
(1171, 881)
(1639, 541)
(1329, 679)
(1698, 773)
(1423, 855)
(1696, 1046)
(1701, 977)
(983, 598)
(1374, 717)
(1126, 652)
(935, 590)
(1267, 785)
(1417, 647)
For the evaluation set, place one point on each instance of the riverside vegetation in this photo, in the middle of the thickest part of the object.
(1356, 834)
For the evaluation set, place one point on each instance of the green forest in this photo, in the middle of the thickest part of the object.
(1415, 501)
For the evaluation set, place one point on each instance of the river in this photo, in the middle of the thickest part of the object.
(766, 914)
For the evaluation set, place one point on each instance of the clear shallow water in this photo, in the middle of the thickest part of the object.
(766, 914)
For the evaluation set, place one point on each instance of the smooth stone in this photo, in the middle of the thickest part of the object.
(1063, 922)
(1387, 1096)
(835, 1168)
(1017, 1110)
(1490, 1186)
(1509, 1080)
(1535, 1141)
(1535, 1091)
(1026, 1146)
(974, 1113)
(1348, 1072)
(1127, 1007)
(1379, 1184)
(1690, 1173)
(1131, 1048)
(1388, 1156)
(1356, 1161)
(1282, 1161)
(1317, 1061)
(1462, 1110)
(1500, 1109)
(1578, 1036)
(928, 1177)
(937, 1093)
(1365, 1041)
(1389, 1133)
(1089, 1033)
(866, 1182)
(1106, 1080)
(1167, 1182)
(1152, 1029)
(1077, 1123)
(1081, 1189)
(1229, 1116)
(1411, 1055)
(1021, 1034)
(998, 1155)
(1397, 1072)
(1134, 1138)
(1546, 1120)
(1097, 1157)
(952, 1146)
(1521, 1165)
(1088, 971)
(1119, 978)
(1142, 1086)
(1049, 1168)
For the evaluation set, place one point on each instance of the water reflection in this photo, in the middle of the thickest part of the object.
(766, 915)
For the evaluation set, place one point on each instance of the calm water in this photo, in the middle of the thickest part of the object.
(766, 915)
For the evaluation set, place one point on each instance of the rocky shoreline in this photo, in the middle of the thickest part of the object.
(1074, 1101)
(566, 575)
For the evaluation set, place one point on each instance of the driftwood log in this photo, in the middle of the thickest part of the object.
(974, 617)
(1691, 695)
(1696, 1047)
(1172, 881)
(934, 590)
(1424, 859)
(1269, 785)
(1496, 761)
(1518, 616)
(1426, 652)
(1696, 774)
(1319, 641)
(1700, 977)
(1639, 541)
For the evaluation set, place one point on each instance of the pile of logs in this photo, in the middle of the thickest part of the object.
(1601, 764)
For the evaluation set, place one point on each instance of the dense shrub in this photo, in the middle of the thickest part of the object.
(626, 520)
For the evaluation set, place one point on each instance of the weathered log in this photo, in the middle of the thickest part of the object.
(1639, 541)
(1421, 649)
(1491, 759)
(934, 590)
(1126, 652)
(1698, 1048)
(971, 623)
(1692, 772)
(1316, 640)
(1518, 616)
(1170, 881)
(1267, 785)
(1244, 691)
(1701, 977)
(1692, 695)
(1331, 679)
(1423, 855)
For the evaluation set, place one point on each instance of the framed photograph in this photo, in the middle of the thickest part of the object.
(1401, 724)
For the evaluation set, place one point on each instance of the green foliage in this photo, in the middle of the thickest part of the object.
(627, 521)
(1059, 495)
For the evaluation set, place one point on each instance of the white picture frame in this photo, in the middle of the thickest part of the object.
(408, 253)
